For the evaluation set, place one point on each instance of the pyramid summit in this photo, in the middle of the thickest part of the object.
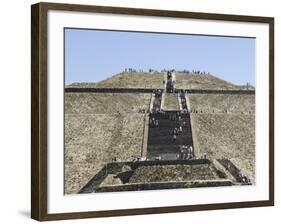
(154, 80)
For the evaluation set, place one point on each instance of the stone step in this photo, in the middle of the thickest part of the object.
(167, 138)
(164, 156)
(167, 132)
(170, 124)
(163, 149)
(169, 142)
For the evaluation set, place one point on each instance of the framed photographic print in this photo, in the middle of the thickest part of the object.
(140, 111)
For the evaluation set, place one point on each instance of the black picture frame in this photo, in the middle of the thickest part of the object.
(39, 108)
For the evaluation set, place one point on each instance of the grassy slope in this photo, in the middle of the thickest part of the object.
(219, 102)
(127, 80)
(195, 81)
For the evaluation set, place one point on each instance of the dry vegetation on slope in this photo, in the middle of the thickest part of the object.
(196, 81)
(216, 103)
(155, 81)
(99, 127)
(127, 80)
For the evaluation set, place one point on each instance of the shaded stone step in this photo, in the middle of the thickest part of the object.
(168, 141)
(164, 156)
(163, 149)
(171, 124)
(165, 185)
(168, 133)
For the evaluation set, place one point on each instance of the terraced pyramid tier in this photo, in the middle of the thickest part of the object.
(155, 80)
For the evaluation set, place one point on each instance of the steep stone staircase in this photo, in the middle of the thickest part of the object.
(162, 143)
(160, 137)
(163, 168)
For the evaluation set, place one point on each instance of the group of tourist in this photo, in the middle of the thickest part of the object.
(130, 70)
(172, 116)
(136, 159)
(153, 122)
(157, 92)
(183, 101)
(154, 118)
(240, 177)
(244, 179)
(150, 70)
(170, 88)
(142, 110)
(176, 132)
(198, 72)
(185, 152)
(157, 105)
(157, 100)
(178, 118)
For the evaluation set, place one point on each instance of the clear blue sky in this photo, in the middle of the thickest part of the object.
(93, 55)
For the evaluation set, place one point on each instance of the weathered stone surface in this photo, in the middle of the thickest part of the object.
(166, 173)
(99, 128)
(171, 102)
(224, 126)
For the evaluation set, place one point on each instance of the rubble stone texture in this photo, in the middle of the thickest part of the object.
(225, 128)
(100, 127)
